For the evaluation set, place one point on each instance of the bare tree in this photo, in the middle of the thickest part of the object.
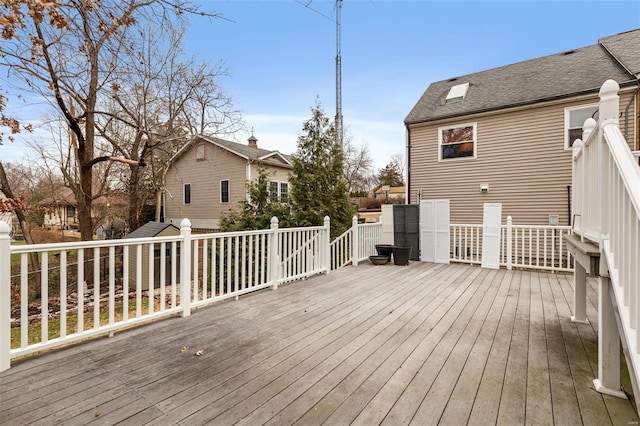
(358, 171)
(70, 53)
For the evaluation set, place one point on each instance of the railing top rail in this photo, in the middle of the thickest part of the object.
(230, 234)
(75, 245)
(625, 160)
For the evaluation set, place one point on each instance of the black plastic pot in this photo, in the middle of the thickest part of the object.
(401, 254)
(384, 250)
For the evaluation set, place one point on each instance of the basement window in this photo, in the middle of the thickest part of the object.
(457, 93)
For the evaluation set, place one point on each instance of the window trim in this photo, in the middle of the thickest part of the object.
(281, 183)
(184, 194)
(456, 126)
(279, 192)
(228, 191)
(567, 121)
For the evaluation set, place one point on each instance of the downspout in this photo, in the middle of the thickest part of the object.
(407, 195)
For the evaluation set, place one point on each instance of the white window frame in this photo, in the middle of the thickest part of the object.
(184, 193)
(456, 126)
(567, 121)
(228, 191)
(282, 193)
(279, 192)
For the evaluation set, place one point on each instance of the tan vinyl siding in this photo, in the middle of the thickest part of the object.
(520, 154)
(204, 176)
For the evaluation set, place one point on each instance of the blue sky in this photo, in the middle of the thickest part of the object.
(280, 56)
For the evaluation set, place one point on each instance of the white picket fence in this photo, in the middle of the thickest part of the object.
(521, 246)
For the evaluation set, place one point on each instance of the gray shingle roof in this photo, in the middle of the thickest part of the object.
(243, 150)
(550, 77)
(150, 229)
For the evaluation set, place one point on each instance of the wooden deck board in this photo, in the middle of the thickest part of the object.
(421, 344)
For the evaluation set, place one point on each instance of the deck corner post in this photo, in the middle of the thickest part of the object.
(327, 244)
(579, 294)
(509, 243)
(185, 267)
(5, 297)
(608, 381)
(274, 254)
(354, 241)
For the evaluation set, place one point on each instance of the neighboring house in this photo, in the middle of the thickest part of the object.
(152, 229)
(208, 177)
(390, 194)
(61, 212)
(505, 135)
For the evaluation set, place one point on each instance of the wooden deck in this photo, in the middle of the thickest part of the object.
(421, 344)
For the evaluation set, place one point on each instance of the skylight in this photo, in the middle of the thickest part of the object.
(457, 92)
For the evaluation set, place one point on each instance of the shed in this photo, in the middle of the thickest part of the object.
(150, 230)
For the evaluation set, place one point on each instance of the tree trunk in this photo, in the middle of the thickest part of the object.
(34, 279)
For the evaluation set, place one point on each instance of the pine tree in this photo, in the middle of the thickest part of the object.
(317, 186)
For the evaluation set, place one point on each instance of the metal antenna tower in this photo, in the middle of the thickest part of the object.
(339, 130)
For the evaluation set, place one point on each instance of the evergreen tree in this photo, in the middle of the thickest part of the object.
(317, 186)
(390, 175)
(258, 211)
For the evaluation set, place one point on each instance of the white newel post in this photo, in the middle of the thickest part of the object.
(609, 109)
(274, 254)
(5, 297)
(509, 238)
(185, 267)
(355, 241)
(327, 244)
(577, 185)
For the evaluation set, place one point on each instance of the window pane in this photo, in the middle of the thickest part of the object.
(457, 150)
(273, 190)
(187, 193)
(573, 135)
(459, 134)
(284, 192)
(577, 117)
(224, 191)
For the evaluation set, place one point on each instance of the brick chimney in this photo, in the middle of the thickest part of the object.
(253, 142)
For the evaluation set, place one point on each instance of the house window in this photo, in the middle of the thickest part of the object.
(574, 118)
(284, 192)
(457, 141)
(186, 193)
(200, 151)
(224, 191)
(71, 211)
(273, 191)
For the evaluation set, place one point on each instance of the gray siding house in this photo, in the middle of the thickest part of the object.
(208, 177)
(505, 134)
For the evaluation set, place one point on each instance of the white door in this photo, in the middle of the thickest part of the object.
(434, 231)
(491, 222)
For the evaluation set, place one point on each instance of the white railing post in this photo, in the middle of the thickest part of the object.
(274, 254)
(185, 267)
(509, 238)
(608, 110)
(355, 240)
(5, 297)
(577, 185)
(327, 244)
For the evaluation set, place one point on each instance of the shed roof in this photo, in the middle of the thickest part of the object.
(557, 76)
(150, 229)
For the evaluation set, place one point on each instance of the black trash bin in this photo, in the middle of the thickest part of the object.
(401, 254)
(384, 250)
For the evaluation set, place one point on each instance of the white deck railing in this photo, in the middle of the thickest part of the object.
(606, 203)
(131, 281)
(521, 246)
(355, 244)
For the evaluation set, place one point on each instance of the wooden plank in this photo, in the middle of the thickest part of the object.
(514, 390)
(460, 403)
(487, 401)
(566, 409)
